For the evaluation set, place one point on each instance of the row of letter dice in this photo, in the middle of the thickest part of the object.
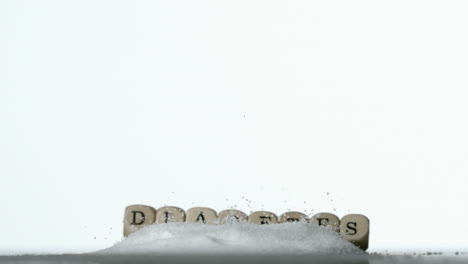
(352, 227)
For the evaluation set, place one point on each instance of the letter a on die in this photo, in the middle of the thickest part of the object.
(202, 215)
(355, 228)
(168, 214)
(138, 216)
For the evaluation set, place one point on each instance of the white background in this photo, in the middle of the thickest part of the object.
(255, 104)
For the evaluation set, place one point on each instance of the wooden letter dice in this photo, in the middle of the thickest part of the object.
(232, 216)
(328, 220)
(138, 216)
(168, 214)
(202, 215)
(262, 218)
(355, 228)
(292, 217)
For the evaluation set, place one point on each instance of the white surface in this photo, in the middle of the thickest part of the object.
(255, 104)
(236, 239)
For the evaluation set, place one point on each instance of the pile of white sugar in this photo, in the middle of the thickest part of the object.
(195, 238)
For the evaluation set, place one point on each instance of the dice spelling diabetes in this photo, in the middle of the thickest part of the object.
(352, 227)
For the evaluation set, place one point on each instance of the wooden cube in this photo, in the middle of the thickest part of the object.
(262, 218)
(355, 228)
(326, 219)
(168, 214)
(292, 217)
(232, 216)
(138, 216)
(202, 215)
